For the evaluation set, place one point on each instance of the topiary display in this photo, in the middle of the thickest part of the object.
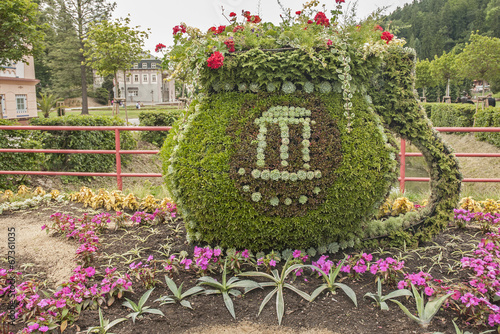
(307, 164)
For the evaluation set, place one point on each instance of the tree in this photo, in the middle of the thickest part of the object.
(20, 32)
(443, 69)
(493, 18)
(112, 46)
(47, 102)
(480, 59)
(424, 76)
(82, 13)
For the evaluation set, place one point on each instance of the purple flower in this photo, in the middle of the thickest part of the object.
(272, 263)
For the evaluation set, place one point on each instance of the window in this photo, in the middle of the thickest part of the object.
(127, 78)
(136, 65)
(145, 78)
(21, 105)
(144, 65)
(133, 91)
(2, 105)
(153, 78)
(153, 65)
(136, 78)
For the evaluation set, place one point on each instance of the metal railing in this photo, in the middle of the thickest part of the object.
(117, 151)
(403, 154)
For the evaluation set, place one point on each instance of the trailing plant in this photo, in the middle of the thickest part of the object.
(104, 325)
(227, 288)
(425, 311)
(278, 282)
(177, 295)
(381, 300)
(139, 309)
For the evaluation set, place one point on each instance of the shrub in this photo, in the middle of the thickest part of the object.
(489, 117)
(90, 140)
(428, 109)
(157, 118)
(452, 115)
(18, 161)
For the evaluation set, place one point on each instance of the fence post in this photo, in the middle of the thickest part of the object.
(402, 169)
(118, 161)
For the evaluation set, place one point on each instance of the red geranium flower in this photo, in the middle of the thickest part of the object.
(180, 28)
(387, 36)
(309, 22)
(230, 45)
(212, 29)
(329, 42)
(159, 46)
(221, 29)
(232, 14)
(298, 12)
(216, 60)
(238, 28)
(254, 19)
(246, 13)
(321, 19)
(339, 1)
(377, 27)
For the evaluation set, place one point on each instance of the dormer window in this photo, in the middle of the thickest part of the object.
(136, 65)
(144, 65)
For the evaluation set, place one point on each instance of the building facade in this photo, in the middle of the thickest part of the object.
(143, 83)
(17, 90)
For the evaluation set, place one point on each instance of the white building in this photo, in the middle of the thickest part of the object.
(144, 83)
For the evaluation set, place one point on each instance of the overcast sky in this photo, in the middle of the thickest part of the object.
(162, 15)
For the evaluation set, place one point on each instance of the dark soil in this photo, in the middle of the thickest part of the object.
(327, 314)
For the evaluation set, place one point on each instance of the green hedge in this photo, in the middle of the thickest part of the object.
(158, 118)
(18, 161)
(489, 117)
(428, 109)
(85, 140)
(452, 114)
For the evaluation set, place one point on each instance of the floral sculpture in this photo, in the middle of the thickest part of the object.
(291, 142)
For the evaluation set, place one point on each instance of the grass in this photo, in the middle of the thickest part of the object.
(107, 111)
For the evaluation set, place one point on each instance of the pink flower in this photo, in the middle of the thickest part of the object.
(245, 254)
(44, 227)
(402, 285)
(329, 42)
(90, 271)
(429, 291)
(150, 258)
(60, 303)
(272, 263)
(43, 329)
(296, 253)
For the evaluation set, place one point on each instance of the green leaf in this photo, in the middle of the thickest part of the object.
(280, 304)
(229, 304)
(266, 299)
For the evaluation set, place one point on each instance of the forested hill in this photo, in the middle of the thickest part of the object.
(434, 26)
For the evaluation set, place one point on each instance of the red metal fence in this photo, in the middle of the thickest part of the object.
(117, 151)
(403, 154)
